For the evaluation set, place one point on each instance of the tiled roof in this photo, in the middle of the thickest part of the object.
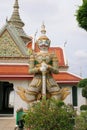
(21, 71)
(59, 53)
(66, 77)
(13, 69)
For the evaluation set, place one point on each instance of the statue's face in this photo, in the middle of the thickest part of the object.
(43, 45)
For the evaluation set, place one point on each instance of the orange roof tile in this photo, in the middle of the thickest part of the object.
(29, 45)
(59, 53)
(21, 71)
(64, 77)
(13, 69)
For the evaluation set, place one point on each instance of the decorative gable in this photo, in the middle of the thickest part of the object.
(8, 48)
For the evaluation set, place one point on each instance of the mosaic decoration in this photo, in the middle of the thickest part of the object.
(8, 48)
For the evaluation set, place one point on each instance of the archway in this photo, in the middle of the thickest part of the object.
(6, 102)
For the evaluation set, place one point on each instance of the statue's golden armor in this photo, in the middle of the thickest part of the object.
(34, 68)
(43, 64)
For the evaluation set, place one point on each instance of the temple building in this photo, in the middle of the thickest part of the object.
(15, 50)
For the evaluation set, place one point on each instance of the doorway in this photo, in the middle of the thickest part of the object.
(6, 99)
(74, 96)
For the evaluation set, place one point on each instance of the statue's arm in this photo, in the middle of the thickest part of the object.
(32, 67)
(54, 68)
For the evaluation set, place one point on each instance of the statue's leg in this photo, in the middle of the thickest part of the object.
(31, 96)
(56, 95)
(33, 89)
(53, 88)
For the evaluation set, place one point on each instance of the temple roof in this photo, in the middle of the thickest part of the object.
(66, 77)
(15, 26)
(21, 71)
(10, 30)
(15, 18)
(60, 55)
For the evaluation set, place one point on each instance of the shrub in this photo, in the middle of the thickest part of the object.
(81, 15)
(81, 121)
(83, 107)
(82, 83)
(84, 92)
(49, 115)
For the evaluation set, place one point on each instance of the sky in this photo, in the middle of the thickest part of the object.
(61, 26)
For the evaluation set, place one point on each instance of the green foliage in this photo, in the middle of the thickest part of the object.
(81, 121)
(84, 115)
(82, 83)
(84, 92)
(49, 115)
(81, 15)
(83, 107)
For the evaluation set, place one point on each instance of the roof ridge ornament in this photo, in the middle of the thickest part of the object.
(16, 4)
(43, 33)
(43, 40)
(43, 30)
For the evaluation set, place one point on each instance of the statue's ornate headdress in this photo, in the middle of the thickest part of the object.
(43, 37)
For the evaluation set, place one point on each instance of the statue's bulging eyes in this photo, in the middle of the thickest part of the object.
(43, 42)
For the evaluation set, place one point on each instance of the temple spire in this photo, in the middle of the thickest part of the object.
(43, 30)
(43, 36)
(15, 18)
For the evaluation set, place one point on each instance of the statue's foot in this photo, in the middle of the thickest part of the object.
(64, 93)
(25, 96)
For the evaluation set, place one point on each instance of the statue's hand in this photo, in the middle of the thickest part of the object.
(43, 67)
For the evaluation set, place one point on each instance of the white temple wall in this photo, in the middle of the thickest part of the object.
(81, 99)
(18, 102)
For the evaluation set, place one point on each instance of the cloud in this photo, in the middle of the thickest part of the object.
(78, 64)
(81, 54)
